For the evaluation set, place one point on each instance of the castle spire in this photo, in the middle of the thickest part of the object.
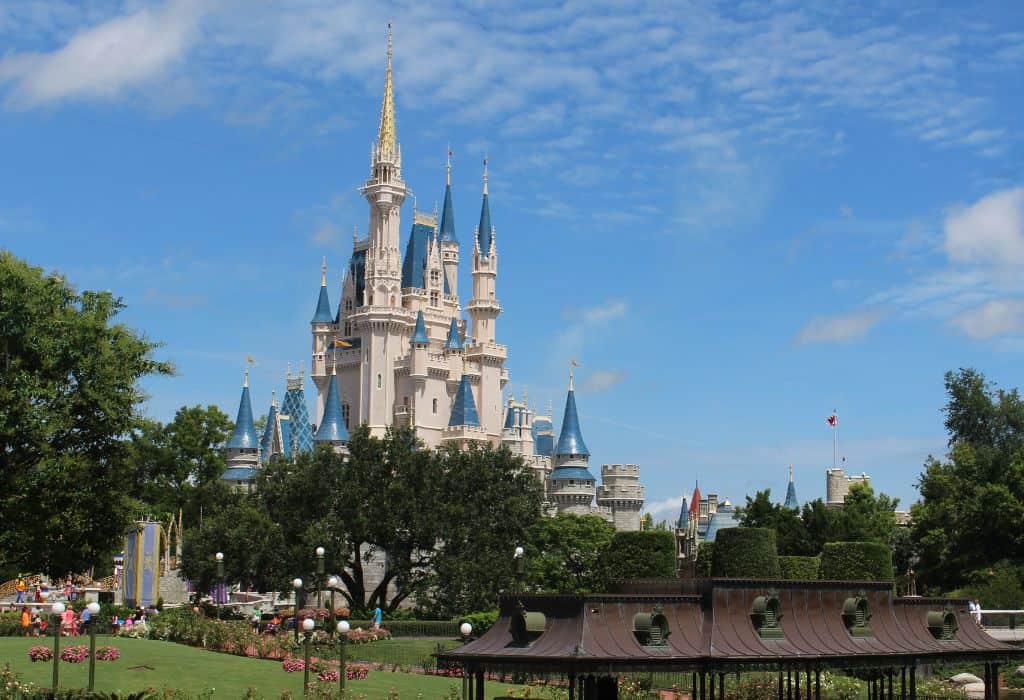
(570, 441)
(332, 427)
(387, 137)
(484, 232)
(446, 229)
(791, 500)
(244, 435)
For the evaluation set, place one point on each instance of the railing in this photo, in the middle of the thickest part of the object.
(1004, 625)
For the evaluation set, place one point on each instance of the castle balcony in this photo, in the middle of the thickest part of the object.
(404, 416)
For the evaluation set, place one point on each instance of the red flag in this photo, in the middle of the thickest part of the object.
(833, 420)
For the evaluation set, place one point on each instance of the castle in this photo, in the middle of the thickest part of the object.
(397, 351)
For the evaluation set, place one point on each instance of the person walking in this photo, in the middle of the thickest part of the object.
(86, 617)
(20, 588)
(26, 622)
(377, 617)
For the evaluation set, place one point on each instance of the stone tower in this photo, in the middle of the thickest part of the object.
(571, 485)
(621, 492)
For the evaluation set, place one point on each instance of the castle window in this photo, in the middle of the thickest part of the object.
(435, 278)
(348, 305)
(405, 401)
(434, 298)
(346, 411)
(348, 328)
(380, 382)
(435, 405)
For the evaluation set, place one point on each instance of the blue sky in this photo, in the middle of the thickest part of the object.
(736, 216)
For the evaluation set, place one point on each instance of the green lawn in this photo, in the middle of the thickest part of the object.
(145, 664)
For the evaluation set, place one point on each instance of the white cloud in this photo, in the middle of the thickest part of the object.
(990, 231)
(842, 328)
(601, 380)
(608, 311)
(326, 233)
(104, 60)
(995, 317)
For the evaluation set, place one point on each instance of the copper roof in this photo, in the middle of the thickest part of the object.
(709, 623)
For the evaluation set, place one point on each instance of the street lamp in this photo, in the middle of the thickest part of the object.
(343, 628)
(58, 610)
(466, 629)
(319, 574)
(332, 583)
(219, 556)
(94, 611)
(307, 627)
(520, 567)
(297, 585)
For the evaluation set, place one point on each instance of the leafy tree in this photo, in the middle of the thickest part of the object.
(866, 518)
(821, 524)
(562, 553)
(792, 534)
(69, 392)
(972, 503)
(176, 459)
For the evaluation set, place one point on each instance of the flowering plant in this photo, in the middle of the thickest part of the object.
(75, 655)
(107, 654)
(40, 653)
(356, 672)
(328, 676)
(293, 665)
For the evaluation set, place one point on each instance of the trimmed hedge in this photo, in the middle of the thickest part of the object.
(799, 568)
(643, 554)
(705, 553)
(856, 561)
(745, 552)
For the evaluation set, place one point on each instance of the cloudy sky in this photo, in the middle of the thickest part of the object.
(736, 216)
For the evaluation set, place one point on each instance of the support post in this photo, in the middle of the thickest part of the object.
(903, 682)
(56, 652)
(913, 680)
(342, 671)
(890, 684)
(817, 684)
(796, 686)
(305, 671)
(702, 696)
(479, 685)
(995, 682)
(572, 686)
(782, 685)
(92, 654)
(721, 686)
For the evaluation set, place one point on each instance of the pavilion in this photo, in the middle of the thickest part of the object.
(708, 628)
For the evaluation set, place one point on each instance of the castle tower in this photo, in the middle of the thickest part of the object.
(620, 491)
(464, 424)
(322, 327)
(446, 236)
(332, 430)
(483, 310)
(544, 435)
(243, 450)
(296, 430)
(571, 485)
(272, 443)
(791, 501)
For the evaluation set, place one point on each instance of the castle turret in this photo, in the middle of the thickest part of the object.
(272, 442)
(296, 429)
(571, 485)
(464, 422)
(791, 501)
(242, 450)
(332, 430)
(620, 491)
(454, 341)
(446, 235)
(418, 344)
(322, 326)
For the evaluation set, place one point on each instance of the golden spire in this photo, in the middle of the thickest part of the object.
(387, 138)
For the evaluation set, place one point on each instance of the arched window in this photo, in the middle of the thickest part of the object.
(380, 382)
(346, 412)
(435, 405)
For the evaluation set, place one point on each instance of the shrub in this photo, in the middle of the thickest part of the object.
(705, 553)
(481, 621)
(856, 561)
(293, 665)
(643, 554)
(75, 655)
(745, 552)
(799, 568)
(107, 654)
(40, 652)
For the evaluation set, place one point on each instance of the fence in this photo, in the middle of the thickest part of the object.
(414, 628)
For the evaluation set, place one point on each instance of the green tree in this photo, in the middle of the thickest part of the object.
(973, 501)
(820, 523)
(69, 392)
(865, 517)
(792, 535)
(562, 553)
(176, 459)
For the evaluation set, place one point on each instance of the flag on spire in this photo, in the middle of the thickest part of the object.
(832, 420)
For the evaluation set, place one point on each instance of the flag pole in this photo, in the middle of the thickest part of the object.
(835, 438)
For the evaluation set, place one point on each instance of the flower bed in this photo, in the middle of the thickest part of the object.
(75, 655)
(107, 654)
(40, 653)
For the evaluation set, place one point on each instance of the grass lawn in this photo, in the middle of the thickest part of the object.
(145, 664)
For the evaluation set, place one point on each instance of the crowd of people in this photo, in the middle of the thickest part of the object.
(36, 589)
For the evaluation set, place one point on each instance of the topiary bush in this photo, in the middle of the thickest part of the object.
(856, 561)
(705, 552)
(745, 552)
(643, 554)
(799, 568)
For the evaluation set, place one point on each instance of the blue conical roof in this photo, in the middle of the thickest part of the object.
(447, 227)
(244, 436)
(510, 416)
(332, 427)
(454, 341)
(570, 441)
(684, 514)
(323, 308)
(483, 234)
(464, 407)
(791, 501)
(299, 437)
(267, 441)
(419, 333)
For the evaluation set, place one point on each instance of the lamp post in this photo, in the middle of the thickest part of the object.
(307, 628)
(520, 568)
(465, 629)
(332, 583)
(219, 556)
(297, 585)
(319, 574)
(58, 610)
(94, 611)
(343, 628)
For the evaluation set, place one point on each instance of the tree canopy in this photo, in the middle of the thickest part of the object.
(69, 399)
(972, 502)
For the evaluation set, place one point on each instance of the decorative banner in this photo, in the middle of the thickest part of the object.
(142, 565)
